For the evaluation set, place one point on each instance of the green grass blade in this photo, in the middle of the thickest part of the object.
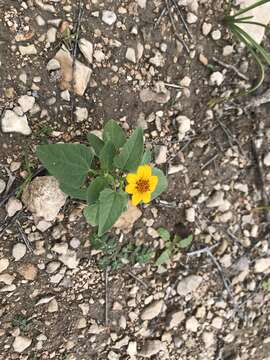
(267, 27)
(253, 6)
(256, 58)
(250, 41)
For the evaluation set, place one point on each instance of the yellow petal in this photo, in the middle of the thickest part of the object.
(144, 171)
(153, 183)
(131, 178)
(130, 188)
(136, 198)
(146, 197)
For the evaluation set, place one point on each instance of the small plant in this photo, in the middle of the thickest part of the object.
(266, 285)
(171, 245)
(103, 175)
(258, 52)
(115, 256)
(21, 322)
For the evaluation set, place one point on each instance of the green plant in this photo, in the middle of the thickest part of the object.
(97, 174)
(116, 256)
(259, 53)
(21, 322)
(27, 166)
(171, 245)
(266, 285)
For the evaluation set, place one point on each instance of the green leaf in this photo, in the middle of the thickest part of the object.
(162, 183)
(147, 157)
(96, 143)
(164, 234)
(69, 163)
(164, 257)
(185, 243)
(111, 206)
(131, 154)
(114, 133)
(91, 214)
(107, 155)
(94, 189)
(74, 193)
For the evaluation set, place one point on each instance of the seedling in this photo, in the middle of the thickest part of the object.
(172, 244)
(97, 174)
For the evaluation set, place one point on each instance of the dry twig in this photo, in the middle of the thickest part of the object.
(137, 279)
(232, 67)
(106, 297)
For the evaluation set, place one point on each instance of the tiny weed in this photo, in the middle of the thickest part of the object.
(266, 285)
(258, 52)
(21, 322)
(115, 257)
(171, 245)
(28, 167)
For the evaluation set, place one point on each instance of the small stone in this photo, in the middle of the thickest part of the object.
(266, 159)
(216, 200)
(190, 215)
(99, 56)
(216, 78)
(128, 218)
(51, 35)
(81, 114)
(3, 264)
(174, 169)
(227, 50)
(191, 18)
(28, 271)
(188, 285)
(21, 343)
(13, 206)
(40, 21)
(72, 77)
(44, 198)
(18, 251)
(7, 279)
(217, 323)
(185, 81)
(52, 266)
(2, 186)
(75, 243)
(65, 95)
(157, 60)
(184, 124)
(147, 95)
(206, 28)
(152, 310)
(208, 339)
(70, 259)
(53, 65)
(151, 347)
(162, 155)
(11, 122)
(142, 3)
(26, 102)
(131, 55)
(175, 319)
(121, 343)
(28, 50)
(192, 324)
(86, 48)
(81, 323)
(108, 17)
(216, 35)
(262, 265)
(132, 348)
(113, 356)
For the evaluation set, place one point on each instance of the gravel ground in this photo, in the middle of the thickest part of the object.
(130, 64)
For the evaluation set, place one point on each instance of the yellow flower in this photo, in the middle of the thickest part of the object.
(141, 185)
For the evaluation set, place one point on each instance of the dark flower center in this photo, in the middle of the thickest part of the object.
(142, 185)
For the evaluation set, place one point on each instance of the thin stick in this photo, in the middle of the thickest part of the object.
(174, 28)
(24, 237)
(232, 67)
(182, 18)
(74, 55)
(209, 161)
(163, 12)
(174, 86)
(106, 297)
(139, 280)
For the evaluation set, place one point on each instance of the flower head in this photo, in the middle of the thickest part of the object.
(141, 184)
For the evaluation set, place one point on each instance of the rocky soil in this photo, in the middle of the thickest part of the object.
(66, 67)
